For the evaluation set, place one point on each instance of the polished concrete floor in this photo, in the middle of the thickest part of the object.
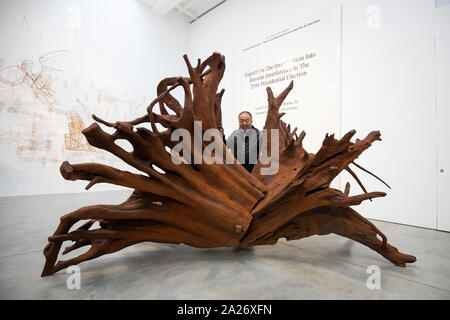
(319, 267)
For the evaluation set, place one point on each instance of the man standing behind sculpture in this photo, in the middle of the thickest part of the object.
(244, 142)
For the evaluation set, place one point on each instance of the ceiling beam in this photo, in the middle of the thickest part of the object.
(184, 9)
(207, 11)
(163, 7)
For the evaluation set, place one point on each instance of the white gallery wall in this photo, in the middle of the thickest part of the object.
(388, 83)
(307, 52)
(63, 60)
(108, 56)
(442, 48)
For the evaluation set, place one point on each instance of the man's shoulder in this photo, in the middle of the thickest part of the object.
(256, 129)
(235, 132)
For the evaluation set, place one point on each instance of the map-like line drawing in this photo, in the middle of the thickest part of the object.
(40, 83)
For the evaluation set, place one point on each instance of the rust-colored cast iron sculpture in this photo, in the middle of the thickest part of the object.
(214, 205)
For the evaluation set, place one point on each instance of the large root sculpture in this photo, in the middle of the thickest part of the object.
(213, 205)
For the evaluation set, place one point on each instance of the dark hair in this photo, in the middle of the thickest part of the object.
(246, 113)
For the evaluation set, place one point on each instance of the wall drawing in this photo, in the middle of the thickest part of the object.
(40, 83)
(36, 97)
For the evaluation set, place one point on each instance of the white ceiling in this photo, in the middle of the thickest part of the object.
(189, 9)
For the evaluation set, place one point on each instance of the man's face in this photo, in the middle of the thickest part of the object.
(245, 121)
